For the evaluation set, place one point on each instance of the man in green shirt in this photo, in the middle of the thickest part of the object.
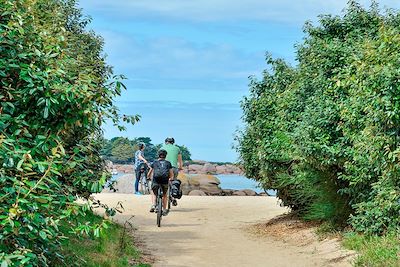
(174, 156)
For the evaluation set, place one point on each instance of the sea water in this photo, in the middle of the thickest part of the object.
(230, 181)
(239, 182)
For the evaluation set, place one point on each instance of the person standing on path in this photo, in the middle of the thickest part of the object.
(140, 162)
(174, 156)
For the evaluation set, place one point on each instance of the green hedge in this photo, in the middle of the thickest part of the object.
(326, 132)
(55, 92)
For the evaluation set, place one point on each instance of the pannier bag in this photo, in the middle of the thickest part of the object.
(176, 191)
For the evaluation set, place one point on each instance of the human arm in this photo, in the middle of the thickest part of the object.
(150, 170)
(180, 162)
(141, 157)
(150, 173)
(171, 174)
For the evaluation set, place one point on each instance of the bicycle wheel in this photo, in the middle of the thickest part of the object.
(141, 185)
(169, 196)
(146, 186)
(159, 206)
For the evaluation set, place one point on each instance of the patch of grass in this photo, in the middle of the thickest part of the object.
(114, 247)
(374, 251)
(327, 230)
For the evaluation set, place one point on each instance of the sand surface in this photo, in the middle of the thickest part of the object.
(216, 231)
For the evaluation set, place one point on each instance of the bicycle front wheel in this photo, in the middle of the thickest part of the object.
(146, 187)
(159, 209)
(142, 188)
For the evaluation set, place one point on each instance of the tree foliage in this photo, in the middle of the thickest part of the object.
(186, 155)
(326, 133)
(122, 150)
(56, 90)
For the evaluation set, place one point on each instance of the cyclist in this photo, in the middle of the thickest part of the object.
(174, 156)
(140, 162)
(161, 170)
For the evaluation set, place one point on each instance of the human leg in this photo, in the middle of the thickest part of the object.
(154, 188)
(165, 190)
(164, 199)
(153, 192)
(137, 172)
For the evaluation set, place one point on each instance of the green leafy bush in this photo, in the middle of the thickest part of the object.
(325, 134)
(121, 150)
(55, 92)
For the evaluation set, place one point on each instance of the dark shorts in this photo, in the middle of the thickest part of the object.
(155, 185)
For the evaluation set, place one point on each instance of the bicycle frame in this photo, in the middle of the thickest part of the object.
(144, 184)
(159, 205)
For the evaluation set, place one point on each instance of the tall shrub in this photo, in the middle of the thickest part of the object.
(327, 136)
(56, 91)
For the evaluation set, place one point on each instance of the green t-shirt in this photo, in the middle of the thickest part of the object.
(172, 154)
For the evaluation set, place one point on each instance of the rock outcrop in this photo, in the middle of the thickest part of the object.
(249, 192)
(192, 184)
(197, 193)
(199, 167)
(209, 184)
(239, 193)
(124, 185)
(123, 168)
(194, 168)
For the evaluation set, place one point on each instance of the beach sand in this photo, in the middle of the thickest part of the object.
(219, 231)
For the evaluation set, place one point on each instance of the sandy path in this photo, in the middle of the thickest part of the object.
(210, 231)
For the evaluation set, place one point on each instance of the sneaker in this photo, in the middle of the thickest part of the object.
(138, 193)
(174, 202)
(165, 212)
(155, 209)
(152, 208)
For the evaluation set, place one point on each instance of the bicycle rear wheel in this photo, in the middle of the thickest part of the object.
(159, 206)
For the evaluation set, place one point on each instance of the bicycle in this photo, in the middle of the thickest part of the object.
(159, 202)
(159, 205)
(169, 195)
(144, 182)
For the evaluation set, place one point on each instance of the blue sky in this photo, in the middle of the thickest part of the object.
(188, 61)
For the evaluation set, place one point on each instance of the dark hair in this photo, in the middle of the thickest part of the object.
(169, 140)
(162, 153)
(141, 146)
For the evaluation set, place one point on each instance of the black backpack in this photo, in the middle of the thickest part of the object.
(161, 171)
(176, 191)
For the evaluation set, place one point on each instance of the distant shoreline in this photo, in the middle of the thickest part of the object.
(192, 167)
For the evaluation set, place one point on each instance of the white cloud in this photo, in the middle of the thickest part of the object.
(175, 58)
(287, 11)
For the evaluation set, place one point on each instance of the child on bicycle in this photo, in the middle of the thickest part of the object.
(162, 172)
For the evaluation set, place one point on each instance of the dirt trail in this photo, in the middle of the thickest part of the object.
(212, 231)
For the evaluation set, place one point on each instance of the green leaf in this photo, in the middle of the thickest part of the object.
(46, 112)
(42, 200)
(10, 162)
(43, 235)
(41, 167)
(20, 164)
